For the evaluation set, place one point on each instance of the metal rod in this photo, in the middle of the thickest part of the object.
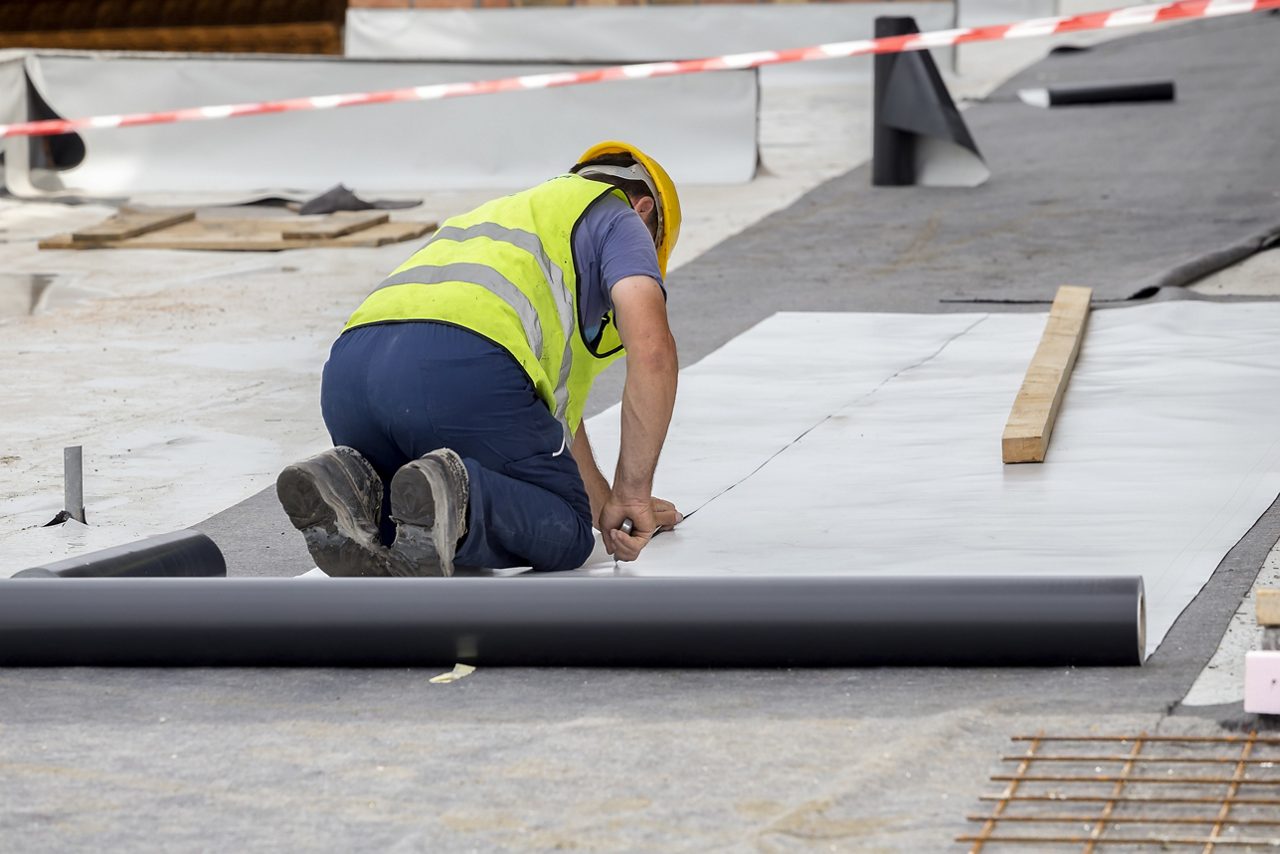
(1097, 830)
(1125, 819)
(1232, 790)
(1094, 799)
(73, 482)
(1127, 840)
(1100, 827)
(1207, 781)
(1159, 760)
(1191, 739)
(1011, 789)
(783, 621)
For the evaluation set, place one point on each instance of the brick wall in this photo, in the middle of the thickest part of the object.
(456, 4)
(269, 26)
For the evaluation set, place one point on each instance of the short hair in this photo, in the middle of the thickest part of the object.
(634, 189)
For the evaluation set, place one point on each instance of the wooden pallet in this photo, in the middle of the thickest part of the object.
(184, 230)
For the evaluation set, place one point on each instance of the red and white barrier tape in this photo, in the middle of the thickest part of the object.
(1126, 17)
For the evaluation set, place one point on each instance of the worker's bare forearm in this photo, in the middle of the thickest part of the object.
(647, 402)
(649, 394)
(592, 478)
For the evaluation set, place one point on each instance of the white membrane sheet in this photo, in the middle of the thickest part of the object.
(870, 444)
(619, 34)
(707, 135)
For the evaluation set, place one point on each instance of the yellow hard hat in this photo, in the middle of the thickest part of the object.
(659, 182)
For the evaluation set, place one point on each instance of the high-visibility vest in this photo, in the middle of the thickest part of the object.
(505, 271)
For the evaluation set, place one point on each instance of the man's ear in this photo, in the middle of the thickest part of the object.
(644, 206)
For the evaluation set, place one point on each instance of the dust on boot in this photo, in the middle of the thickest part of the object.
(335, 500)
(429, 506)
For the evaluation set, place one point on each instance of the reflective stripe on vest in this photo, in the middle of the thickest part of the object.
(536, 282)
(481, 275)
(501, 286)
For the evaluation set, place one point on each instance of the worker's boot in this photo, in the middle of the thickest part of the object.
(429, 505)
(335, 500)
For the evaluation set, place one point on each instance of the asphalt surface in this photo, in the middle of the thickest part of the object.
(1122, 198)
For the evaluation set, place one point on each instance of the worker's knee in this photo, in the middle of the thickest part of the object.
(577, 544)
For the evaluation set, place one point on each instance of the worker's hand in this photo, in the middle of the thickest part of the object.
(621, 545)
(666, 514)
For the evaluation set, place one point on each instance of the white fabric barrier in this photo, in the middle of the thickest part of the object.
(13, 86)
(1164, 455)
(611, 35)
(707, 133)
(987, 13)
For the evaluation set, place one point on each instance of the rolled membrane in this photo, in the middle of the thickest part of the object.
(823, 621)
(1110, 93)
(180, 554)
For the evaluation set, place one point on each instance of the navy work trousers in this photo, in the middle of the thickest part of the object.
(396, 391)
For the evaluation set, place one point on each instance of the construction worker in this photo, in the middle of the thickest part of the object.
(454, 395)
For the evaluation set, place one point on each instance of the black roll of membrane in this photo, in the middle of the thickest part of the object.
(893, 149)
(557, 621)
(180, 554)
(1112, 93)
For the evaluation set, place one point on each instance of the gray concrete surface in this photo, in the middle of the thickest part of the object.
(866, 760)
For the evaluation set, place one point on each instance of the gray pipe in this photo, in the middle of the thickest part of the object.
(181, 554)
(573, 621)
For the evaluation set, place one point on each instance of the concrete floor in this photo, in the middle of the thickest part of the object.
(875, 760)
(191, 360)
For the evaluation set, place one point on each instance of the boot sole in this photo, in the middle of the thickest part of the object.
(337, 542)
(425, 537)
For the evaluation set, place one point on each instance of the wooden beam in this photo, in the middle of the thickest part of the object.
(241, 235)
(1269, 607)
(335, 225)
(381, 235)
(128, 224)
(1026, 434)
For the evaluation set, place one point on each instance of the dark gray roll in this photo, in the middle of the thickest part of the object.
(1115, 93)
(181, 554)
(1107, 93)
(567, 621)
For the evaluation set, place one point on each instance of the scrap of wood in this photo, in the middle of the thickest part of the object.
(1026, 434)
(246, 235)
(128, 224)
(334, 226)
(1268, 608)
(381, 235)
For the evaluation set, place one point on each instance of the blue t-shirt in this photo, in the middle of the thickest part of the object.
(611, 243)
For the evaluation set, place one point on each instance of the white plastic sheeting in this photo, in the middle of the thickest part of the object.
(13, 86)
(619, 34)
(706, 132)
(870, 444)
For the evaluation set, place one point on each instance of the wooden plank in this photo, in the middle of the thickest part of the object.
(390, 232)
(335, 225)
(1026, 434)
(1268, 606)
(241, 235)
(128, 224)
